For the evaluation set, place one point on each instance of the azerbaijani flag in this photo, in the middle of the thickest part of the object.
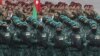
(37, 5)
(36, 8)
(0, 2)
(34, 13)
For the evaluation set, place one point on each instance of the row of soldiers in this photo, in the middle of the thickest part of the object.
(55, 16)
(52, 13)
(25, 10)
(51, 30)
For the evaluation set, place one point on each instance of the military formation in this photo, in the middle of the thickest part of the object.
(59, 30)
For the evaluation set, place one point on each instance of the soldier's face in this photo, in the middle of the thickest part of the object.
(45, 7)
(86, 8)
(78, 7)
(0, 6)
(12, 6)
(56, 7)
(59, 8)
(53, 7)
(72, 8)
(16, 7)
(23, 5)
(9, 6)
(91, 8)
(19, 4)
(66, 7)
(48, 5)
(62, 7)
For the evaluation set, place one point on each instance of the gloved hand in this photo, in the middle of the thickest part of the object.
(83, 19)
(93, 24)
(97, 18)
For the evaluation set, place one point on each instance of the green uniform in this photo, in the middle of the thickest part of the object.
(16, 20)
(69, 21)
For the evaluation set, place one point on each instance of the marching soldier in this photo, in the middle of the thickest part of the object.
(19, 12)
(68, 11)
(3, 13)
(76, 10)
